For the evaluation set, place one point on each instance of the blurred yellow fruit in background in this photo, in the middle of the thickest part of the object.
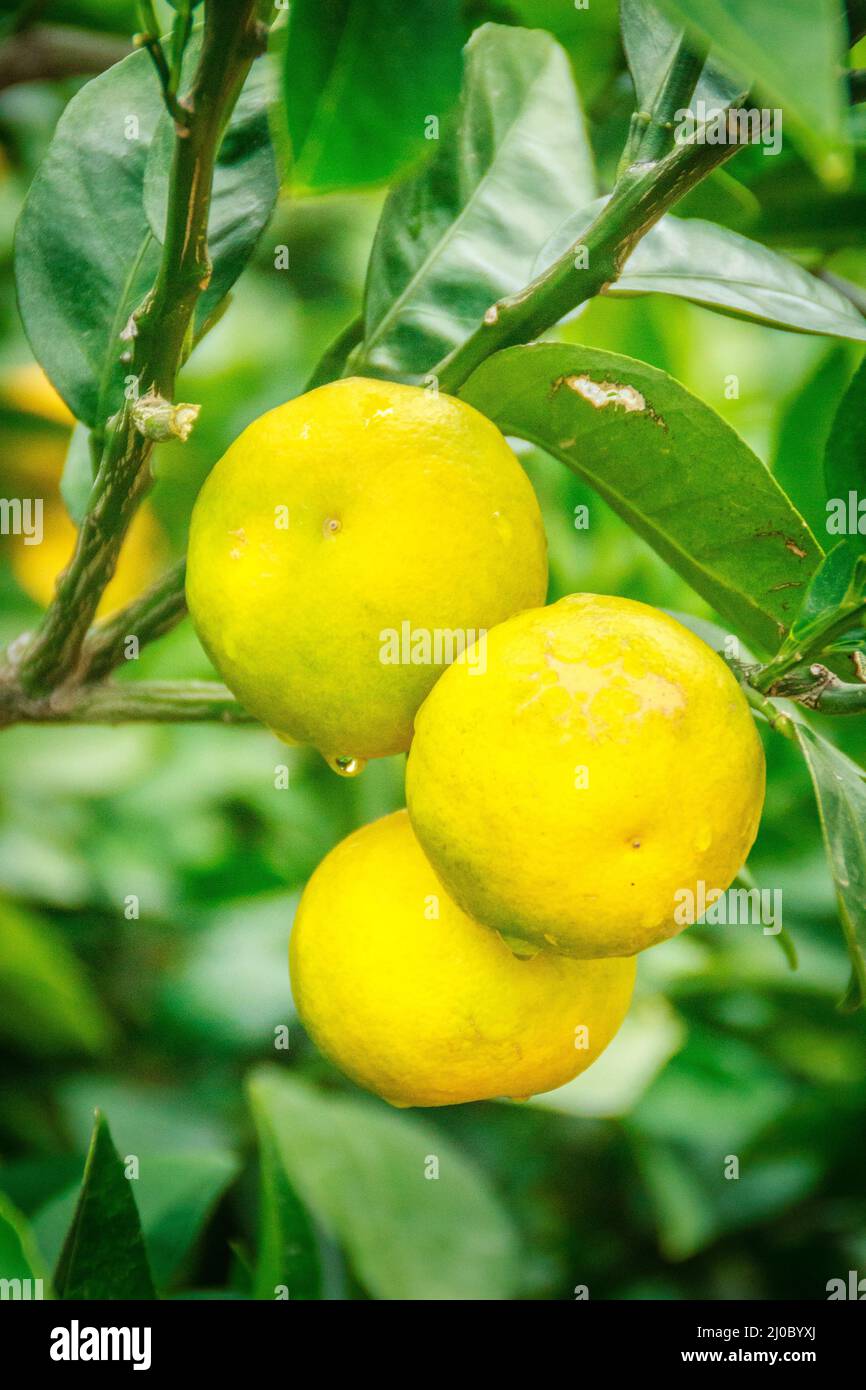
(142, 558)
(415, 1001)
(33, 463)
(27, 388)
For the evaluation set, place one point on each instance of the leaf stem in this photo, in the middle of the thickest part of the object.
(642, 195)
(653, 131)
(778, 721)
(168, 76)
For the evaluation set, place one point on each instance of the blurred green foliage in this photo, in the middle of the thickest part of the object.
(149, 875)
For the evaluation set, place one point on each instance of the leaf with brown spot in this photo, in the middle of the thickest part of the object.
(693, 489)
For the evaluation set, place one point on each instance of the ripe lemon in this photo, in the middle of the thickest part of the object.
(580, 791)
(415, 1001)
(343, 549)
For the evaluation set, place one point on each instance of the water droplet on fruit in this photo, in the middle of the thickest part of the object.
(346, 766)
(704, 839)
(523, 950)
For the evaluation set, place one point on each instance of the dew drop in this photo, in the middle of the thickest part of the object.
(523, 950)
(347, 766)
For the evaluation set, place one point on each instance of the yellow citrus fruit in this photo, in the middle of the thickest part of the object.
(142, 559)
(415, 1001)
(27, 388)
(345, 547)
(580, 791)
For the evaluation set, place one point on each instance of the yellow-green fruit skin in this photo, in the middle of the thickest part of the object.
(337, 518)
(580, 791)
(418, 1003)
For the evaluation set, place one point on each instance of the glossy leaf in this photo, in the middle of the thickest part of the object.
(722, 270)
(468, 227)
(104, 1255)
(19, 1257)
(845, 460)
(671, 467)
(650, 39)
(46, 1002)
(288, 1255)
(837, 590)
(362, 79)
(78, 473)
(804, 424)
(82, 271)
(245, 187)
(794, 50)
(334, 358)
(176, 1194)
(81, 275)
(361, 1170)
(840, 789)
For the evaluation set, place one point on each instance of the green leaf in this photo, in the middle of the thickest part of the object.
(672, 468)
(362, 77)
(804, 425)
(361, 1170)
(245, 186)
(650, 41)
(81, 271)
(794, 50)
(467, 229)
(836, 592)
(19, 1257)
(176, 1194)
(104, 1255)
(333, 360)
(46, 1002)
(721, 270)
(76, 480)
(288, 1249)
(840, 789)
(81, 275)
(845, 460)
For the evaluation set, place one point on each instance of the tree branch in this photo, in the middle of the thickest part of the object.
(48, 52)
(130, 702)
(643, 194)
(155, 612)
(232, 39)
(819, 688)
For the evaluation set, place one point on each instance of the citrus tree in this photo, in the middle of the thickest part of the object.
(495, 239)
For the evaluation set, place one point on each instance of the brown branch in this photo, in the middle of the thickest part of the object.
(48, 52)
